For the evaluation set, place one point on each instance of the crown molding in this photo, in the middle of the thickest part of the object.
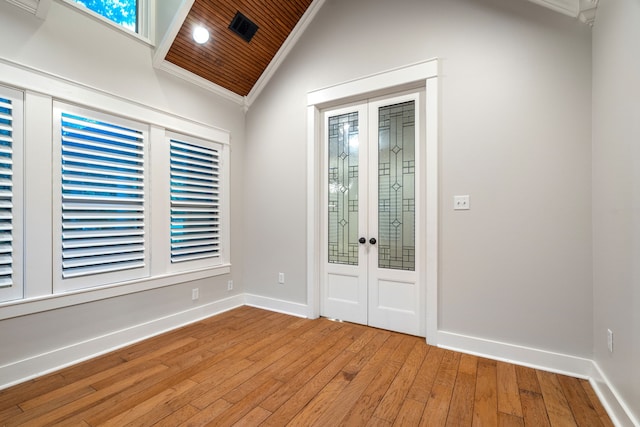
(30, 6)
(566, 7)
(584, 10)
(203, 83)
(588, 11)
(38, 7)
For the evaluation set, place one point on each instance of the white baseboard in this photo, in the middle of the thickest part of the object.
(578, 367)
(526, 356)
(44, 363)
(280, 306)
(618, 410)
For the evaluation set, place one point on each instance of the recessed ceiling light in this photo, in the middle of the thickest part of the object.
(200, 34)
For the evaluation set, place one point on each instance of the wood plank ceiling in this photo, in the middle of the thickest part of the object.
(226, 59)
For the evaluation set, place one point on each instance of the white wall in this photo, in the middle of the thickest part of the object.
(616, 195)
(70, 45)
(515, 136)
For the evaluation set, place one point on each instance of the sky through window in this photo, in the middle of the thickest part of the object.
(122, 12)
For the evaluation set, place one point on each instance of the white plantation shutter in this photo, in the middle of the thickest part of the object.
(6, 193)
(10, 172)
(195, 201)
(102, 195)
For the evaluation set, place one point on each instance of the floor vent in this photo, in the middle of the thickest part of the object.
(243, 26)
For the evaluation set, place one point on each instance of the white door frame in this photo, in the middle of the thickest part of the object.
(420, 75)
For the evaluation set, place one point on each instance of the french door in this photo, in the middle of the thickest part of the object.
(371, 214)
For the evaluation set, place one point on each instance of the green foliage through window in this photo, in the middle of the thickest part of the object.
(122, 12)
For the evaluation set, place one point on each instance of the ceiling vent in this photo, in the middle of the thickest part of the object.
(242, 26)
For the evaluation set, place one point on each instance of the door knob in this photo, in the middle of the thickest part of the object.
(362, 240)
(372, 240)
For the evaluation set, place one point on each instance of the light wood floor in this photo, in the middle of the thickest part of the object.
(252, 367)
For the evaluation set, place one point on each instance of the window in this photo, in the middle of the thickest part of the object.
(102, 195)
(122, 12)
(11, 115)
(100, 199)
(195, 200)
(133, 15)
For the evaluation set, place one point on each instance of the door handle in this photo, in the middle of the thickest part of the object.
(362, 240)
(372, 240)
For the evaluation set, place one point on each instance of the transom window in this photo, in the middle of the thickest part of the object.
(122, 12)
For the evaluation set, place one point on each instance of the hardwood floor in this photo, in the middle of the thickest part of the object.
(250, 367)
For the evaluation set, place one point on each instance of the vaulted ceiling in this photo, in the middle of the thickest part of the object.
(227, 59)
(242, 68)
(227, 64)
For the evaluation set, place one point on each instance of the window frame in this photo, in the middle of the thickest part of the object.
(146, 19)
(60, 283)
(41, 89)
(16, 291)
(183, 265)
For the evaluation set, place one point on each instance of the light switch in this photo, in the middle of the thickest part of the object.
(461, 203)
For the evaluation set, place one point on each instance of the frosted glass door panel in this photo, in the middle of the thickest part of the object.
(396, 186)
(343, 189)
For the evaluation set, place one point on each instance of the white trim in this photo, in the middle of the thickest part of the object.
(277, 305)
(62, 283)
(159, 221)
(24, 307)
(199, 81)
(161, 63)
(585, 10)
(520, 355)
(62, 89)
(148, 25)
(422, 74)
(145, 14)
(14, 230)
(43, 8)
(42, 89)
(44, 363)
(163, 46)
(313, 214)
(371, 86)
(284, 50)
(30, 6)
(38, 197)
(619, 412)
(432, 227)
(225, 204)
(223, 178)
(566, 7)
(32, 367)
(588, 10)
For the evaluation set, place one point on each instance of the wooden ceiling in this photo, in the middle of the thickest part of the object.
(226, 59)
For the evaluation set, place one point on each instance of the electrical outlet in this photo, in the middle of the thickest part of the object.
(281, 278)
(610, 340)
(230, 285)
(461, 203)
(195, 294)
